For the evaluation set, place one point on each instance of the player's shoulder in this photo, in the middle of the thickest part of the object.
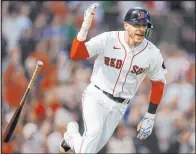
(153, 48)
(154, 51)
(111, 33)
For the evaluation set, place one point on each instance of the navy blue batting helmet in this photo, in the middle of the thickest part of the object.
(139, 14)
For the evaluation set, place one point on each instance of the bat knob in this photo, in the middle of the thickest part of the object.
(40, 63)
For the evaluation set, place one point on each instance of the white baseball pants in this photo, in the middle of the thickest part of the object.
(101, 116)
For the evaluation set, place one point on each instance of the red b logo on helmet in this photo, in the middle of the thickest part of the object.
(141, 14)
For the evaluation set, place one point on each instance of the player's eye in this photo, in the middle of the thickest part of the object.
(137, 25)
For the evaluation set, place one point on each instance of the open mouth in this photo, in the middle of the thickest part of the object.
(139, 35)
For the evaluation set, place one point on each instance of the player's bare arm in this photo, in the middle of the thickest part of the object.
(146, 125)
(78, 50)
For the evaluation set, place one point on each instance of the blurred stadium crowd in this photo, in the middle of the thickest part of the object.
(38, 30)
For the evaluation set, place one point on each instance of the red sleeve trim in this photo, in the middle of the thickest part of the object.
(156, 92)
(78, 50)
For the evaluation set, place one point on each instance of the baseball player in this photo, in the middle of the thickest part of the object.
(124, 59)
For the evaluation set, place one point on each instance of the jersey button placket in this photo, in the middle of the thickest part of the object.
(130, 54)
(126, 68)
(129, 62)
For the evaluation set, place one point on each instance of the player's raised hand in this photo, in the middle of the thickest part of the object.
(145, 126)
(89, 14)
(90, 11)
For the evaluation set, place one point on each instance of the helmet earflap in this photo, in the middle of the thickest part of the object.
(149, 31)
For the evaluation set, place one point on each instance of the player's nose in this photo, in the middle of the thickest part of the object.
(142, 28)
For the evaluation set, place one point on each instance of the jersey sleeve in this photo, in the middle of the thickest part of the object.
(96, 44)
(157, 70)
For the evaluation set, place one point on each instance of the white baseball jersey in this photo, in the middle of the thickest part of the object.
(118, 69)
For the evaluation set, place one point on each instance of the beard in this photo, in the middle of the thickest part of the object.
(133, 39)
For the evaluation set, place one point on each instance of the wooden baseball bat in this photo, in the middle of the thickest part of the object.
(12, 124)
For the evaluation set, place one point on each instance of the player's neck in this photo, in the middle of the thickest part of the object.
(130, 42)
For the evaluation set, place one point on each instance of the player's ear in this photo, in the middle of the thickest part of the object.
(125, 26)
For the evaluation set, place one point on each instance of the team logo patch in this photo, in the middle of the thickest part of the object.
(137, 70)
(163, 65)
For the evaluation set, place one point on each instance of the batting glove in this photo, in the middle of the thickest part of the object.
(88, 16)
(145, 126)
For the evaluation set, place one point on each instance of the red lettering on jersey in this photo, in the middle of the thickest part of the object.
(119, 64)
(112, 62)
(139, 71)
(107, 60)
(135, 67)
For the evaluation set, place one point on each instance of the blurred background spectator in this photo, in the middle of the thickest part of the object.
(44, 30)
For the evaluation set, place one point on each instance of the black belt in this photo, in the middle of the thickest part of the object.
(116, 99)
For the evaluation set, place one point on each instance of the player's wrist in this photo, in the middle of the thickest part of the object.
(83, 31)
(85, 26)
(149, 116)
(152, 108)
(82, 34)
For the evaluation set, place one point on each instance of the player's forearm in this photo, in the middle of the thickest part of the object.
(155, 97)
(83, 32)
(78, 50)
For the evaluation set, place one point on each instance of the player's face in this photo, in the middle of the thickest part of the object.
(136, 31)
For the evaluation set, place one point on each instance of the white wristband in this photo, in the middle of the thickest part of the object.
(85, 26)
(150, 116)
(82, 34)
(83, 31)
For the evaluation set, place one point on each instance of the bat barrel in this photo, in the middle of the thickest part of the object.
(12, 124)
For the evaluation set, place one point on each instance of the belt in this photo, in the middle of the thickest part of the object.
(116, 99)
